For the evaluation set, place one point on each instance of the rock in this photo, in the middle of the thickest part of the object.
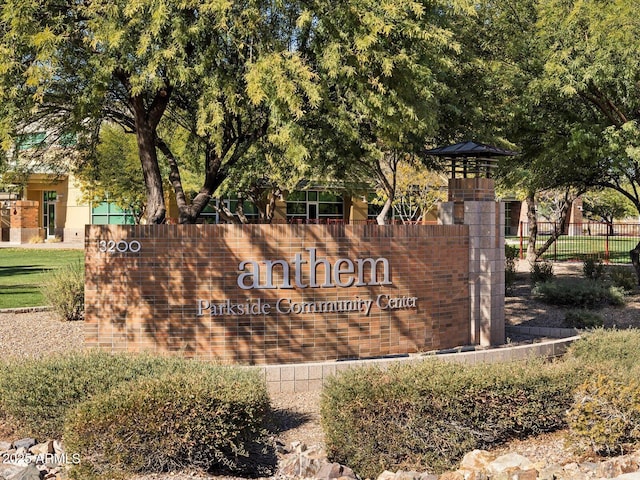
(510, 460)
(25, 443)
(298, 447)
(315, 453)
(428, 476)
(616, 467)
(474, 465)
(628, 476)
(42, 448)
(299, 465)
(474, 474)
(5, 446)
(12, 472)
(334, 471)
(386, 475)
(477, 460)
(550, 472)
(58, 447)
(451, 476)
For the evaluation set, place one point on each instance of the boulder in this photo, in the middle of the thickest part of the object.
(509, 461)
(43, 448)
(25, 443)
(13, 472)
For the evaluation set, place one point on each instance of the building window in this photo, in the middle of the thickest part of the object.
(108, 213)
(314, 205)
(31, 140)
(210, 213)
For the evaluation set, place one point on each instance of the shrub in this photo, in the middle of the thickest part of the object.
(37, 394)
(511, 254)
(606, 414)
(64, 291)
(580, 293)
(623, 277)
(541, 272)
(427, 416)
(593, 268)
(200, 416)
(583, 319)
(614, 351)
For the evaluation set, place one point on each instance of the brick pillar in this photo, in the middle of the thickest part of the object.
(472, 202)
(24, 221)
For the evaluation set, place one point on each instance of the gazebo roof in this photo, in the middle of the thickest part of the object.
(477, 159)
(470, 149)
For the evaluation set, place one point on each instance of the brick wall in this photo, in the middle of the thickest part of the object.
(148, 300)
(24, 214)
(472, 189)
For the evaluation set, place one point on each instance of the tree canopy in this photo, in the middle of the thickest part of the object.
(314, 81)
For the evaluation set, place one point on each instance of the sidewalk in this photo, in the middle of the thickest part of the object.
(45, 245)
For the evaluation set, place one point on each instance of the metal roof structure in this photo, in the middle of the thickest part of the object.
(471, 158)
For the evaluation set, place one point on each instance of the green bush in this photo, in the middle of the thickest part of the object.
(578, 292)
(541, 272)
(583, 319)
(37, 394)
(606, 414)
(623, 278)
(63, 289)
(510, 255)
(593, 268)
(614, 351)
(200, 416)
(426, 416)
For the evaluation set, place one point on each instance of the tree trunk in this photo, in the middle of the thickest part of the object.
(146, 117)
(155, 209)
(532, 222)
(560, 226)
(382, 216)
(635, 260)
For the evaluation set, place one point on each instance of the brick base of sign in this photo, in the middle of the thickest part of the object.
(179, 289)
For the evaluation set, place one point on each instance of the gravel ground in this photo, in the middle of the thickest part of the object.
(36, 334)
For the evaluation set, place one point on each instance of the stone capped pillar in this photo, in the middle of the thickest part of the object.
(472, 202)
(24, 221)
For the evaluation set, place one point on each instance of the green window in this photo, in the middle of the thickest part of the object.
(314, 205)
(31, 140)
(108, 213)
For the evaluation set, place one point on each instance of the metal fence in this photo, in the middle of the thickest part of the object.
(607, 242)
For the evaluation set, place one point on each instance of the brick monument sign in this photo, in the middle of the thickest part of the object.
(259, 294)
(277, 293)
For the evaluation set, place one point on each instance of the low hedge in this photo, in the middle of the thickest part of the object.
(426, 416)
(37, 394)
(203, 416)
(580, 293)
(610, 351)
(131, 413)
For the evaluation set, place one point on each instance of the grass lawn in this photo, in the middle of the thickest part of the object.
(614, 248)
(22, 272)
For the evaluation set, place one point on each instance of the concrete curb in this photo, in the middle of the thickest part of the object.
(305, 377)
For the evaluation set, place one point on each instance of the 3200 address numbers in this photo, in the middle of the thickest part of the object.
(121, 246)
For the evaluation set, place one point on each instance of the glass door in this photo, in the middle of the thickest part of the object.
(49, 213)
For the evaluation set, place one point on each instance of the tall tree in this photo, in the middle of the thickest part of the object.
(592, 59)
(353, 77)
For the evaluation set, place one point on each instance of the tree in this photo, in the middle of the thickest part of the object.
(114, 172)
(352, 76)
(592, 52)
(606, 206)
